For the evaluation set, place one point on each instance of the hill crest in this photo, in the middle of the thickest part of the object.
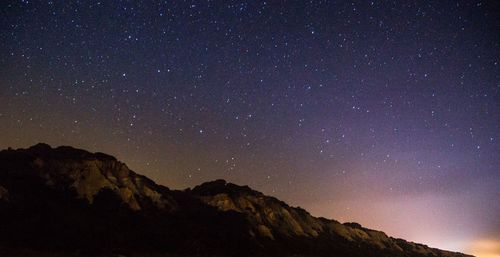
(98, 185)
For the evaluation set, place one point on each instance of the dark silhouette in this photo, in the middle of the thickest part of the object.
(69, 202)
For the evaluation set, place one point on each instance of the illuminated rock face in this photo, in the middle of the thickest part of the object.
(88, 174)
(272, 218)
(268, 215)
(62, 200)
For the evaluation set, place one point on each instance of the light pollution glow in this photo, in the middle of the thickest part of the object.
(382, 113)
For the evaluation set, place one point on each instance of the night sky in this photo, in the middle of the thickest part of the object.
(383, 113)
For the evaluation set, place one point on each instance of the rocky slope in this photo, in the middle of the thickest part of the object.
(71, 202)
(88, 174)
(273, 219)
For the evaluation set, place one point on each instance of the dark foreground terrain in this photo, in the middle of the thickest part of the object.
(69, 202)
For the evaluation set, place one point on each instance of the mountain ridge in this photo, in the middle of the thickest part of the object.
(140, 216)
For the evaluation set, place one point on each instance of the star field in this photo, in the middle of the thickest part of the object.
(383, 113)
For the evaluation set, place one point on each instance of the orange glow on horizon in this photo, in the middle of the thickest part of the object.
(485, 248)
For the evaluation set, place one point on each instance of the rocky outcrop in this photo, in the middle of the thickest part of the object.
(68, 200)
(269, 216)
(272, 218)
(89, 174)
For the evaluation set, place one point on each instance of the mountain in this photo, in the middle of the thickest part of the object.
(69, 202)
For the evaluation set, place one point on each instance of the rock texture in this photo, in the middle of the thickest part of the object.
(88, 174)
(66, 201)
(268, 216)
(273, 219)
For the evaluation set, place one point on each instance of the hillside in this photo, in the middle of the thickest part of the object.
(66, 201)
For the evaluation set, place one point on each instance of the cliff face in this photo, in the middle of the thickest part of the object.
(268, 216)
(88, 174)
(273, 219)
(67, 200)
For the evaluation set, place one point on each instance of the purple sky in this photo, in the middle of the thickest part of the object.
(386, 114)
